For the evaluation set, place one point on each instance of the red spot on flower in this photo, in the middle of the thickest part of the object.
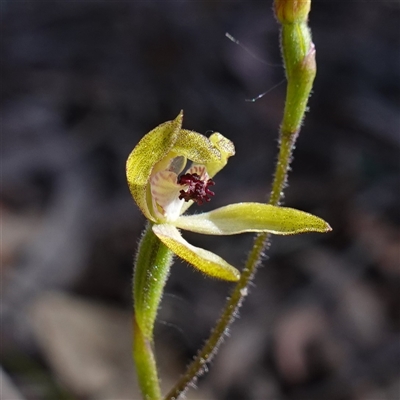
(197, 190)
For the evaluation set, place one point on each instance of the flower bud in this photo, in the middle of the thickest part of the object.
(292, 11)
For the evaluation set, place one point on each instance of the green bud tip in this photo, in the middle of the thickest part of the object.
(292, 11)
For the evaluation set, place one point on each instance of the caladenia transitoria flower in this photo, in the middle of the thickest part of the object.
(164, 186)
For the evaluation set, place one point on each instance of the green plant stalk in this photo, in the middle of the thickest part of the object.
(152, 268)
(146, 368)
(298, 54)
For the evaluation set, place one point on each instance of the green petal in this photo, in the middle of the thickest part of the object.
(252, 217)
(196, 147)
(203, 260)
(152, 148)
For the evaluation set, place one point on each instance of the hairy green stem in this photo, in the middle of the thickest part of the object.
(298, 54)
(146, 368)
(152, 267)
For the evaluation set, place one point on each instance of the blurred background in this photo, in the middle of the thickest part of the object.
(82, 82)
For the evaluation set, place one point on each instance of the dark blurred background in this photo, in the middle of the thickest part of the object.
(82, 82)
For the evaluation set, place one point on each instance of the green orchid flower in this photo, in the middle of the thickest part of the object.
(164, 189)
